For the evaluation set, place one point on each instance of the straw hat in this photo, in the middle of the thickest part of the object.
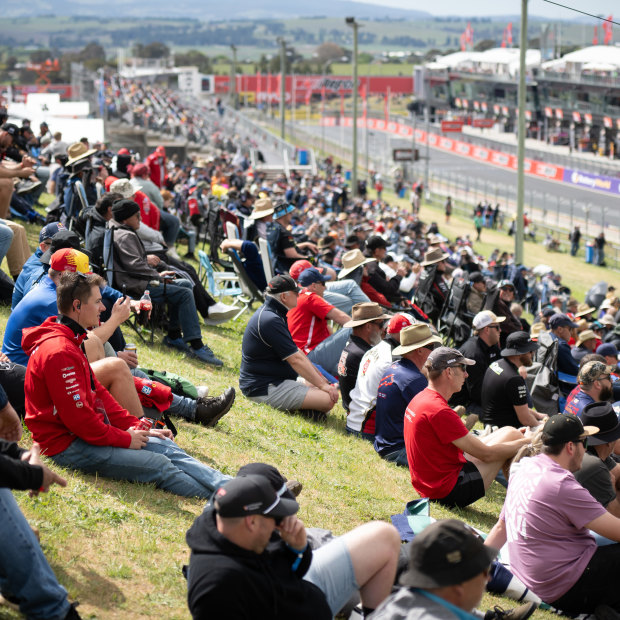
(351, 261)
(366, 312)
(587, 334)
(583, 310)
(433, 256)
(78, 151)
(608, 320)
(415, 337)
(262, 208)
(536, 330)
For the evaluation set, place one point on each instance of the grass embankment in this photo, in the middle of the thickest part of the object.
(119, 547)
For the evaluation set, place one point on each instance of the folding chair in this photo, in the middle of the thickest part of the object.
(265, 255)
(218, 283)
(454, 322)
(251, 293)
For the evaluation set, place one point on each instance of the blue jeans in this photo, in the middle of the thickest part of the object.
(343, 294)
(398, 456)
(169, 225)
(161, 462)
(328, 352)
(24, 571)
(6, 238)
(181, 306)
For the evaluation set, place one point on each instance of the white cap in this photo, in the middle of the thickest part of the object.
(486, 317)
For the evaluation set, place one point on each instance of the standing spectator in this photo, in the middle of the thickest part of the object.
(599, 249)
(156, 163)
(448, 209)
(574, 238)
(478, 223)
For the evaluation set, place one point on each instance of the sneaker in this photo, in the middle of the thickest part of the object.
(516, 613)
(210, 410)
(294, 486)
(26, 186)
(313, 414)
(173, 254)
(177, 343)
(221, 312)
(189, 255)
(204, 354)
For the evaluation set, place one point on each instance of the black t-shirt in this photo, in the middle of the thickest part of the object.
(266, 344)
(349, 365)
(279, 240)
(502, 389)
(595, 477)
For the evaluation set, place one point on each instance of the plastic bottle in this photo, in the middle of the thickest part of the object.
(145, 308)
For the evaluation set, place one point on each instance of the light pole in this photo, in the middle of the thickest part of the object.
(233, 77)
(521, 137)
(282, 43)
(350, 21)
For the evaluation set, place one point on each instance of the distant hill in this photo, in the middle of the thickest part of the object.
(209, 10)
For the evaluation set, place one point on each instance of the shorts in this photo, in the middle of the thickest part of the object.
(332, 572)
(469, 488)
(288, 395)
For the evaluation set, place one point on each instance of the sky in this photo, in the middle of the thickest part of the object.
(504, 7)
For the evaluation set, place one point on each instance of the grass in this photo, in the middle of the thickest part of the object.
(118, 547)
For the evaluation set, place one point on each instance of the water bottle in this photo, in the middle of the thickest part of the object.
(145, 308)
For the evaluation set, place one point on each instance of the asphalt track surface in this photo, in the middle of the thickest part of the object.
(449, 163)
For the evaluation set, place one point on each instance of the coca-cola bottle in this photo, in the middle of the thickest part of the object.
(145, 308)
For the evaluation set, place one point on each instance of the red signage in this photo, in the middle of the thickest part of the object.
(483, 122)
(451, 126)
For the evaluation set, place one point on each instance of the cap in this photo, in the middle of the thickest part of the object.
(11, 129)
(561, 320)
(124, 209)
(562, 428)
(593, 371)
(518, 343)
(62, 239)
(476, 277)
(446, 553)
(140, 170)
(69, 259)
(445, 357)
(298, 266)
(310, 276)
(252, 495)
(49, 230)
(506, 284)
(486, 318)
(364, 313)
(399, 321)
(607, 349)
(549, 312)
(601, 414)
(277, 480)
(415, 337)
(282, 209)
(281, 284)
(376, 242)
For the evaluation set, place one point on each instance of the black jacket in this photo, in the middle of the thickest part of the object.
(226, 581)
(15, 473)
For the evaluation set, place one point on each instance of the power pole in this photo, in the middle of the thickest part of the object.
(350, 21)
(282, 43)
(233, 77)
(521, 136)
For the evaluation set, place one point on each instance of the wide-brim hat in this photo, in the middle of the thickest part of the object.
(602, 415)
(608, 320)
(415, 337)
(519, 343)
(366, 312)
(434, 256)
(262, 208)
(446, 553)
(123, 187)
(283, 209)
(586, 334)
(78, 151)
(351, 261)
(583, 310)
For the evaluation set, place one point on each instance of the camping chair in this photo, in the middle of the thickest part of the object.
(251, 293)
(423, 296)
(454, 322)
(543, 381)
(265, 254)
(232, 231)
(218, 283)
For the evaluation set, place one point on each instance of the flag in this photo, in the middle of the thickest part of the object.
(269, 86)
(387, 106)
(341, 103)
(608, 30)
(509, 34)
(323, 98)
(364, 96)
(463, 42)
(595, 36)
(258, 85)
(469, 35)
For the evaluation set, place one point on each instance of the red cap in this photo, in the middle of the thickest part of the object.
(69, 259)
(160, 150)
(123, 151)
(139, 170)
(297, 267)
(398, 322)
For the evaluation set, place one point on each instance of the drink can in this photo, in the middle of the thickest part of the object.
(145, 424)
(130, 346)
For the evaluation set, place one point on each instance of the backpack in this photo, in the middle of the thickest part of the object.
(179, 385)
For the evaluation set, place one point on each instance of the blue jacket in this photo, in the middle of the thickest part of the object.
(30, 271)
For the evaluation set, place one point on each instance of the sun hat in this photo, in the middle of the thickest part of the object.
(262, 208)
(415, 337)
(586, 334)
(364, 313)
(351, 261)
(123, 187)
(434, 256)
(78, 151)
(518, 343)
(583, 309)
(562, 428)
(601, 414)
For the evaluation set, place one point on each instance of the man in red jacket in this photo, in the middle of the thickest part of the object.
(76, 420)
(156, 163)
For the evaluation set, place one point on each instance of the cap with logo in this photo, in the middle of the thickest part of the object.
(399, 321)
(311, 276)
(485, 318)
(281, 284)
(49, 230)
(282, 209)
(445, 357)
(562, 428)
(69, 259)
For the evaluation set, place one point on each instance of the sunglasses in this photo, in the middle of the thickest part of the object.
(584, 441)
(461, 366)
(497, 327)
(80, 278)
(431, 347)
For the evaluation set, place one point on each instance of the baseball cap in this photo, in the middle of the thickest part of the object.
(310, 276)
(592, 371)
(446, 553)
(549, 312)
(49, 230)
(62, 239)
(399, 321)
(277, 480)
(475, 277)
(281, 284)
(607, 349)
(298, 266)
(506, 284)
(445, 357)
(282, 209)
(485, 318)
(69, 259)
(252, 495)
(562, 428)
(561, 320)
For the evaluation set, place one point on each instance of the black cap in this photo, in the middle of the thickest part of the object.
(281, 284)
(277, 480)
(124, 209)
(62, 239)
(561, 320)
(518, 343)
(446, 553)
(601, 414)
(376, 242)
(252, 495)
(445, 357)
(562, 428)
(11, 129)
(549, 312)
(476, 276)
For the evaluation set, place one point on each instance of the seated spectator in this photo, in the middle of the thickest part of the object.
(437, 440)
(355, 270)
(499, 303)
(366, 331)
(262, 215)
(400, 383)
(435, 260)
(376, 248)
(610, 353)
(250, 557)
(546, 520)
(362, 408)
(595, 385)
(505, 397)
(75, 419)
(250, 257)
(133, 274)
(586, 343)
(271, 362)
(307, 322)
(477, 292)
(517, 311)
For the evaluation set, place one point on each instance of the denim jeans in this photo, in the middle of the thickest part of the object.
(161, 462)
(6, 238)
(169, 225)
(343, 294)
(328, 352)
(24, 571)
(398, 456)
(181, 306)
